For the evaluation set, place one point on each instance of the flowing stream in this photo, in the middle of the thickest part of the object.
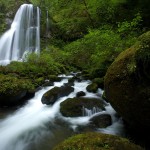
(35, 126)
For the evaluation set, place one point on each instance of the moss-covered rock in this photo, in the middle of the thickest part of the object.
(99, 82)
(127, 84)
(97, 141)
(73, 107)
(93, 87)
(13, 89)
(51, 96)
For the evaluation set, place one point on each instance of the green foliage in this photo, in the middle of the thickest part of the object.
(71, 18)
(130, 26)
(47, 63)
(38, 67)
(90, 32)
(97, 50)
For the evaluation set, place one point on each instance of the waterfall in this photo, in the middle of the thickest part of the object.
(23, 36)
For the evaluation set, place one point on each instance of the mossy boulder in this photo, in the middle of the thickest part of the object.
(73, 107)
(97, 141)
(51, 96)
(99, 82)
(13, 89)
(93, 87)
(127, 84)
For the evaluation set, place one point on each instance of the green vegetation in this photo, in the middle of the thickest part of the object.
(8, 83)
(96, 51)
(87, 36)
(84, 35)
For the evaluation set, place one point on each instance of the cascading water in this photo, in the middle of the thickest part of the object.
(23, 36)
(36, 126)
(90, 112)
(47, 25)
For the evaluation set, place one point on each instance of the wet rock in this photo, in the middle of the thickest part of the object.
(70, 82)
(99, 82)
(80, 93)
(73, 107)
(93, 87)
(101, 121)
(48, 83)
(51, 96)
(127, 84)
(12, 99)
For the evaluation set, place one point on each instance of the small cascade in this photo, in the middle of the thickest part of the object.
(23, 36)
(47, 25)
(90, 112)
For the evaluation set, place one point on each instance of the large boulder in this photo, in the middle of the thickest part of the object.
(127, 84)
(96, 141)
(73, 107)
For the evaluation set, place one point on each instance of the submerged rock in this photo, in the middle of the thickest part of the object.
(101, 121)
(127, 84)
(51, 96)
(97, 141)
(73, 107)
(80, 93)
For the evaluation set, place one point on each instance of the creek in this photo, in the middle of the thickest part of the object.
(35, 126)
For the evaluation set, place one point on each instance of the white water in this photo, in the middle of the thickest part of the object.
(23, 36)
(27, 126)
(47, 25)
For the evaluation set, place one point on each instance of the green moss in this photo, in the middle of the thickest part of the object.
(10, 84)
(39, 81)
(72, 107)
(92, 87)
(53, 92)
(142, 56)
(54, 78)
(127, 84)
(99, 82)
(97, 141)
